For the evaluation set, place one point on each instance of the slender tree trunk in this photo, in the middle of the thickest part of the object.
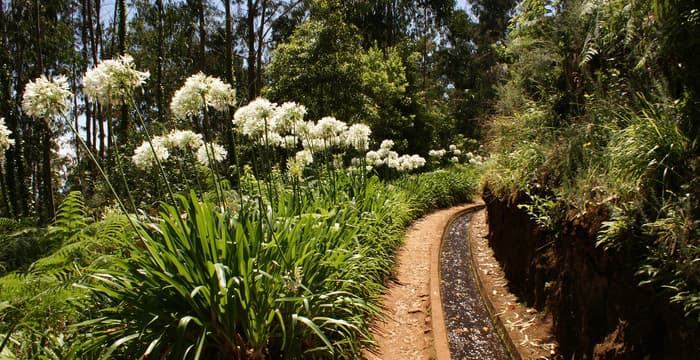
(160, 97)
(228, 128)
(202, 36)
(252, 9)
(47, 178)
(101, 125)
(17, 166)
(123, 129)
(85, 52)
(46, 214)
(122, 26)
(261, 38)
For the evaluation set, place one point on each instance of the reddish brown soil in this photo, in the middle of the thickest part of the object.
(405, 330)
(530, 331)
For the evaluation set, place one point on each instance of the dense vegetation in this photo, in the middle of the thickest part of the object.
(600, 112)
(204, 212)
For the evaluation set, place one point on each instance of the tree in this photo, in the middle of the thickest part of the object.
(324, 67)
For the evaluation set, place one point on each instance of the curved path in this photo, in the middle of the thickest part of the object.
(446, 252)
(406, 330)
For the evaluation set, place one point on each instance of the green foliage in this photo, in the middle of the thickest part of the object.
(21, 247)
(301, 279)
(70, 217)
(441, 188)
(592, 114)
(42, 296)
(320, 67)
(324, 66)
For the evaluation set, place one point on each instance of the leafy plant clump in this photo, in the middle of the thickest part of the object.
(249, 281)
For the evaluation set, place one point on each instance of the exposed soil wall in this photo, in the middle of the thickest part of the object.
(598, 310)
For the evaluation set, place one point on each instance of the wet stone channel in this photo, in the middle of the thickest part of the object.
(470, 332)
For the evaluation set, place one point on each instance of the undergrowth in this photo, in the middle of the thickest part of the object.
(247, 281)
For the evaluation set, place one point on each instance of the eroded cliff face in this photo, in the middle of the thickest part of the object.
(599, 311)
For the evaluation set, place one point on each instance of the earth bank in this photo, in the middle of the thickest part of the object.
(597, 308)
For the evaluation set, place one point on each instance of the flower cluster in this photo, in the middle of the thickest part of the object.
(113, 81)
(358, 137)
(144, 157)
(475, 159)
(437, 154)
(185, 141)
(390, 158)
(256, 119)
(45, 98)
(5, 141)
(301, 160)
(211, 151)
(284, 126)
(201, 91)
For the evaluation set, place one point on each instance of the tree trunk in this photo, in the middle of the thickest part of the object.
(160, 97)
(252, 9)
(47, 178)
(46, 214)
(258, 71)
(122, 26)
(228, 51)
(123, 129)
(202, 36)
(85, 52)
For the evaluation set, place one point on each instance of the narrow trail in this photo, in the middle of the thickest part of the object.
(406, 330)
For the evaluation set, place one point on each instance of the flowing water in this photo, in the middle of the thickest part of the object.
(470, 331)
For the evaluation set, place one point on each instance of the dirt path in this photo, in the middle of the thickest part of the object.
(406, 332)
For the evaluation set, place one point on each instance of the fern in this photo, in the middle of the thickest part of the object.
(7, 225)
(70, 218)
(83, 248)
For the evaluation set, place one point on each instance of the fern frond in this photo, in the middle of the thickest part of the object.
(70, 218)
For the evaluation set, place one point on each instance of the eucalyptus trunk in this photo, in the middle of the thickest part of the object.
(252, 9)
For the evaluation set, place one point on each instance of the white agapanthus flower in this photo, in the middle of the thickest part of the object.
(143, 155)
(454, 159)
(45, 98)
(5, 141)
(113, 81)
(456, 152)
(357, 137)
(183, 140)
(409, 162)
(216, 152)
(289, 142)
(453, 147)
(305, 157)
(329, 129)
(417, 161)
(437, 153)
(199, 91)
(287, 116)
(303, 129)
(387, 144)
(253, 119)
(372, 157)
